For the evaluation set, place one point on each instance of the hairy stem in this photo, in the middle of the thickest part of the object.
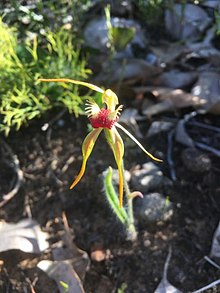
(132, 233)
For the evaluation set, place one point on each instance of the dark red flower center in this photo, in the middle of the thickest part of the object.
(102, 119)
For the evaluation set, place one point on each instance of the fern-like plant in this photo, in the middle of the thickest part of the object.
(21, 64)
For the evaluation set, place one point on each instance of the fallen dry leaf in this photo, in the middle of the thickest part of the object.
(170, 99)
(131, 71)
(207, 88)
(25, 235)
(63, 273)
(67, 250)
(215, 249)
(165, 286)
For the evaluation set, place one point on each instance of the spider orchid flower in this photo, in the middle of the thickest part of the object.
(104, 118)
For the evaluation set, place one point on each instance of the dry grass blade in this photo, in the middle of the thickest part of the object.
(16, 165)
(67, 250)
(165, 286)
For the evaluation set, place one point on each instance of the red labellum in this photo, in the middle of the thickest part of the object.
(102, 119)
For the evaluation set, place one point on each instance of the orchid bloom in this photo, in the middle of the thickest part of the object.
(104, 118)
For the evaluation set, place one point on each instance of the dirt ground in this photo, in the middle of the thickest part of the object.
(45, 195)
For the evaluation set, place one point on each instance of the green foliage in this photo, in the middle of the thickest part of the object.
(118, 37)
(125, 216)
(217, 22)
(22, 98)
(151, 11)
(121, 36)
(123, 288)
(33, 16)
(65, 287)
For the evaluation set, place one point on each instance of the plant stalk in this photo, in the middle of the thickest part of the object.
(131, 230)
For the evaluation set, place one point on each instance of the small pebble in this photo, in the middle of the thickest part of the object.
(153, 209)
(148, 178)
(98, 255)
(115, 177)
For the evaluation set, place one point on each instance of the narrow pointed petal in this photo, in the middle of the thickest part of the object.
(87, 148)
(80, 175)
(117, 146)
(89, 85)
(137, 142)
(121, 183)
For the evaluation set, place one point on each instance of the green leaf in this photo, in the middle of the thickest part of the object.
(121, 36)
(113, 198)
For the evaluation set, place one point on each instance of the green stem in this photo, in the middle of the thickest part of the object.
(132, 233)
(126, 216)
(113, 198)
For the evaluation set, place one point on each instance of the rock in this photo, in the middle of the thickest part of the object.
(206, 49)
(211, 4)
(177, 79)
(208, 89)
(168, 52)
(115, 177)
(203, 51)
(171, 99)
(186, 22)
(131, 71)
(153, 209)
(195, 160)
(148, 178)
(158, 127)
(96, 34)
(120, 7)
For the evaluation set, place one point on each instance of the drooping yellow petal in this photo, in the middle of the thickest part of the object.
(89, 85)
(87, 148)
(80, 175)
(137, 142)
(117, 146)
(121, 182)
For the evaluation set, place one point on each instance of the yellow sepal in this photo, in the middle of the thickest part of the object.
(87, 148)
(137, 142)
(117, 146)
(89, 85)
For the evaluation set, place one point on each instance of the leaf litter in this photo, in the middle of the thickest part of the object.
(26, 235)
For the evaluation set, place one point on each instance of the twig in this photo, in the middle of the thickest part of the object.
(169, 155)
(7, 197)
(203, 125)
(215, 283)
(212, 262)
(167, 262)
(68, 234)
(201, 145)
(27, 208)
(208, 148)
